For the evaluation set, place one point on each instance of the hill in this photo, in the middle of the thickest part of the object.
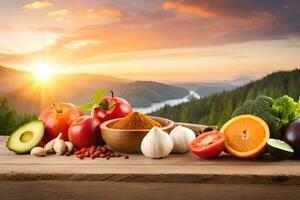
(24, 94)
(208, 88)
(217, 108)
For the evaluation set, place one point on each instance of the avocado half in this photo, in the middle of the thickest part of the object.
(26, 137)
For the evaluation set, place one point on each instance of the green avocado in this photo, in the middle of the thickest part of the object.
(279, 149)
(26, 137)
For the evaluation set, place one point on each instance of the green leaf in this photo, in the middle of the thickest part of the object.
(98, 96)
(87, 106)
(297, 112)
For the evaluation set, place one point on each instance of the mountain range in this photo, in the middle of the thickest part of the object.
(26, 95)
(217, 108)
(208, 88)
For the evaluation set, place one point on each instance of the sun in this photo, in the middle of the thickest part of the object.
(44, 72)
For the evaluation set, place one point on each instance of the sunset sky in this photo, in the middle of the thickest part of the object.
(176, 40)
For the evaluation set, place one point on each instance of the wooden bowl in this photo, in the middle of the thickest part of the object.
(129, 141)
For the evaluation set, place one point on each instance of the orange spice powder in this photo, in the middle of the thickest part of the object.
(136, 120)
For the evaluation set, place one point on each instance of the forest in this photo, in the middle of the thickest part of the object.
(212, 110)
(217, 108)
(10, 119)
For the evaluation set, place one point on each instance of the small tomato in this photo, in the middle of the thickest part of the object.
(208, 145)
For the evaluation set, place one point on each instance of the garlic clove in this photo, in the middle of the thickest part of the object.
(49, 146)
(182, 138)
(59, 147)
(156, 144)
(38, 151)
(70, 146)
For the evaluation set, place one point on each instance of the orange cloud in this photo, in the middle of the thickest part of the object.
(83, 43)
(195, 10)
(110, 13)
(60, 14)
(169, 5)
(187, 9)
(91, 14)
(40, 4)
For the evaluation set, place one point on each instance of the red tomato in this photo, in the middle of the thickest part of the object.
(111, 108)
(208, 145)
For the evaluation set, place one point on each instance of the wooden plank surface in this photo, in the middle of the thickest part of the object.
(86, 190)
(184, 168)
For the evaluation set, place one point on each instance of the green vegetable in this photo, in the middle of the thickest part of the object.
(297, 112)
(262, 107)
(97, 98)
(285, 108)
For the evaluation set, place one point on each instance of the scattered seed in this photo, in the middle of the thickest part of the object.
(98, 148)
(92, 150)
(126, 157)
(96, 154)
(104, 149)
(102, 155)
(87, 154)
(83, 150)
(117, 155)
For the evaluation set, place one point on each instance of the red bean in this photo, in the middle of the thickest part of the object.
(104, 149)
(92, 150)
(87, 154)
(83, 150)
(96, 154)
(102, 155)
(98, 148)
(126, 157)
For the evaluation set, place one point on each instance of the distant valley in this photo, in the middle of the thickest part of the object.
(26, 95)
(205, 89)
(217, 108)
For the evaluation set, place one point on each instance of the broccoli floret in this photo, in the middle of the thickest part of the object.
(262, 107)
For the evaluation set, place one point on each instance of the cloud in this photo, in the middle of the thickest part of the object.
(40, 4)
(187, 9)
(173, 24)
(169, 5)
(67, 15)
(83, 43)
(110, 13)
(59, 14)
(92, 14)
(194, 10)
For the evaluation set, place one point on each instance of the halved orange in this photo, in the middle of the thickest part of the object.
(246, 136)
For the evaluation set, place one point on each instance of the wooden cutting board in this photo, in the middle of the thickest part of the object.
(52, 177)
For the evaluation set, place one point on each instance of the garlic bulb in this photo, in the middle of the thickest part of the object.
(156, 144)
(60, 147)
(49, 146)
(70, 146)
(182, 138)
(38, 151)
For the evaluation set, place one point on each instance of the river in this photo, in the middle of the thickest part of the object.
(171, 102)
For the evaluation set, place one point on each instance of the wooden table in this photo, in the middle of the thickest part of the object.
(175, 177)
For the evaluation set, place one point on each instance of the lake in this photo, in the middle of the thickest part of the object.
(171, 102)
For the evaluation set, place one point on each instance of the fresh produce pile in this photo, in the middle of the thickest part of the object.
(258, 125)
(63, 129)
(277, 119)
